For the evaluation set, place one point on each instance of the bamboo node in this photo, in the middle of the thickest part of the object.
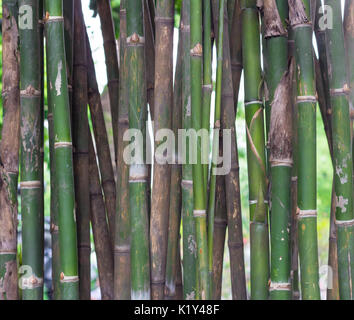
(303, 99)
(344, 223)
(64, 278)
(49, 18)
(306, 213)
(31, 282)
(30, 184)
(197, 51)
(135, 39)
(186, 183)
(164, 20)
(248, 103)
(199, 213)
(340, 91)
(54, 228)
(281, 162)
(63, 144)
(125, 249)
(280, 286)
(30, 92)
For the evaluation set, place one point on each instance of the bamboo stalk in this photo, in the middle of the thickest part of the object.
(342, 151)
(255, 152)
(207, 87)
(9, 151)
(220, 222)
(215, 150)
(163, 99)
(59, 98)
(232, 182)
(174, 221)
(122, 286)
(111, 56)
(100, 228)
(188, 223)
(279, 83)
(236, 51)
(140, 267)
(299, 13)
(31, 188)
(199, 208)
(101, 138)
(80, 152)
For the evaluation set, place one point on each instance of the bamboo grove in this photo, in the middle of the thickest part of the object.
(161, 214)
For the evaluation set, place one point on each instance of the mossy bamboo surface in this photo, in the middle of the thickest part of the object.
(279, 85)
(101, 139)
(111, 56)
(342, 151)
(9, 151)
(31, 188)
(122, 235)
(255, 151)
(100, 228)
(215, 149)
(80, 152)
(163, 99)
(300, 19)
(188, 223)
(140, 258)
(199, 211)
(174, 222)
(59, 99)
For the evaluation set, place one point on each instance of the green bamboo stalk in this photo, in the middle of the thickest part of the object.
(68, 13)
(100, 228)
(199, 210)
(255, 151)
(179, 280)
(140, 258)
(59, 99)
(31, 188)
(220, 223)
(111, 55)
(207, 87)
(175, 191)
(101, 138)
(80, 152)
(279, 85)
(215, 152)
(188, 223)
(9, 151)
(122, 236)
(342, 151)
(232, 181)
(236, 51)
(294, 273)
(299, 13)
(164, 21)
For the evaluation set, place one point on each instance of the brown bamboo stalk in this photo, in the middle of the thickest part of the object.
(100, 229)
(9, 154)
(111, 55)
(232, 179)
(80, 153)
(100, 133)
(220, 223)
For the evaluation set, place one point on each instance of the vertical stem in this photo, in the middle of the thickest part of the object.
(255, 151)
(31, 187)
(342, 151)
(175, 192)
(59, 99)
(99, 227)
(111, 55)
(80, 152)
(199, 211)
(164, 20)
(299, 12)
(188, 223)
(122, 236)
(9, 151)
(140, 258)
